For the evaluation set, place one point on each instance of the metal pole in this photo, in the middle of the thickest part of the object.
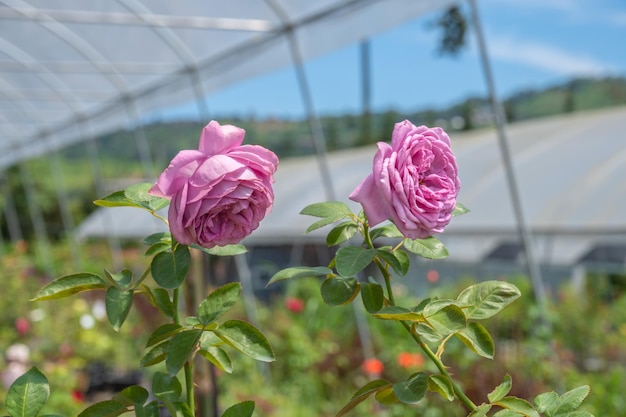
(523, 230)
(319, 142)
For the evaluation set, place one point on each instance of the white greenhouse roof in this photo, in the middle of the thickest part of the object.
(71, 70)
(571, 173)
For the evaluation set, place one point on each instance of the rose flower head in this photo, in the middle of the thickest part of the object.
(219, 193)
(414, 181)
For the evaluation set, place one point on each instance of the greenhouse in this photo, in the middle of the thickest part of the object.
(287, 302)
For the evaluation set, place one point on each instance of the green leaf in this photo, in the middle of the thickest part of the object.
(571, 400)
(159, 237)
(547, 403)
(386, 396)
(487, 298)
(162, 333)
(442, 385)
(121, 279)
(134, 394)
(108, 408)
(373, 297)
(399, 313)
(517, 405)
(430, 248)
(28, 394)
(179, 409)
(300, 272)
(138, 194)
(217, 357)
(155, 355)
(459, 209)
(361, 395)
(446, 320)
(161, 300)
(339, 291)
(388, 230)
(480, 411)
(69, 285)
(118, 304)
(507, 413)
(501, 390)
(152, 409)
(219, 302)
(328, 209)
(477, 338)
(341, 233)
(228, 250)
(246, 339)
(180, 348)
(353, 259)
(413, 390)
(330, 212)
(165, 387)
(398, 259)
(242, 409)
(134, 196)
(158, 248)
(169, 269)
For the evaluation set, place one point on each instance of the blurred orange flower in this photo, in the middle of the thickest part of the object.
(410, 360)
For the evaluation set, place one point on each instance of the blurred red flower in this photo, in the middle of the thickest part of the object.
(295, 305)
(372, 366)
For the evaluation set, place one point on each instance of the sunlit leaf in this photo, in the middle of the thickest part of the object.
(442, 385)
(159, 237)
(547, 403)
(300, 272)
(330, 212)
(501, 390)
(28, 394)
(386, 396)
(571, 400)
(134, 394)
(517, 405)
(389, 230)
(487, 298)
(350, 260)
(169, 269)
(480, 411)
(228, 250)
(217, 357)
(246, 339)
(430, 248)
(459, 209)
(219, 302)
(339, 291)
(446, 320)
(477, 338)
(69, 285)
(399, 313)
(138, 194)
(154, 355)
(121, 279)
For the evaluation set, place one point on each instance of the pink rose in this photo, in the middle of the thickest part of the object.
(221, 192)
(414, 182)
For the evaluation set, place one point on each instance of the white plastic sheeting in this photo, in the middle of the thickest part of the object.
(71, 70)
(571, 171)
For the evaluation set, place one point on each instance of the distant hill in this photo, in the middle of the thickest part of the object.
(288, 137)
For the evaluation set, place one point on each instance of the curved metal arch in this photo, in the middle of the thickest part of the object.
(72, 39)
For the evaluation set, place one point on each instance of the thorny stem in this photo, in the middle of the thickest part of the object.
(467, 402)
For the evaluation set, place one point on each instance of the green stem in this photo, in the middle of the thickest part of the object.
(425, 348)
(188, 365)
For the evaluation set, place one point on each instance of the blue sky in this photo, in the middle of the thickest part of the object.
(532, 44)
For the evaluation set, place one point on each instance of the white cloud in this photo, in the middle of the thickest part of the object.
(545, 57)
